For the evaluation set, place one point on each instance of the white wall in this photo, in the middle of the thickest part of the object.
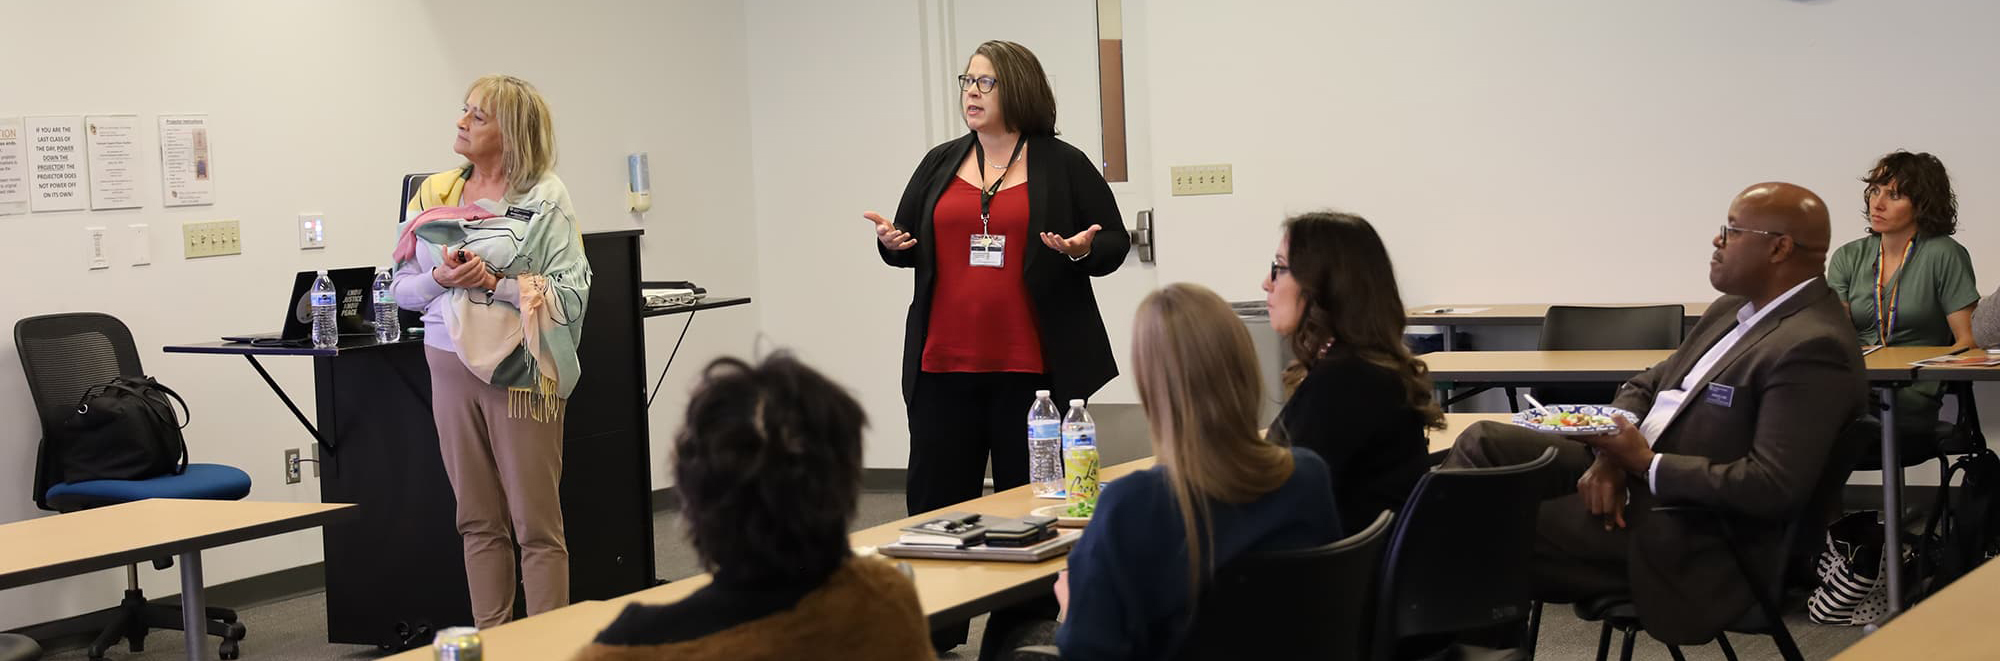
(1555, 150)
(319, 107)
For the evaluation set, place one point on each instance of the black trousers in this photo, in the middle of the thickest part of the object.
(1575, 557)
(957, 421)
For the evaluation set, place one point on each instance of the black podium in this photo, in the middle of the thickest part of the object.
(396, 573)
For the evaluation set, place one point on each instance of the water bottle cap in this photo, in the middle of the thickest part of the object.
(1041, 394)
(1074, 403)
(322, 271)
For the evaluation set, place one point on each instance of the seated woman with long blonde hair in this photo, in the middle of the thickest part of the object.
(1218, 491)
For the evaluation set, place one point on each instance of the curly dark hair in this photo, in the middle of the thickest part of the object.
(768, 468)
(1920, 177)
(1349, 287)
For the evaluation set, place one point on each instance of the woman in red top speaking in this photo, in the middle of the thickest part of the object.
(1004, 227)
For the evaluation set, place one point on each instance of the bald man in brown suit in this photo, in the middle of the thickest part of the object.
(1742, 418)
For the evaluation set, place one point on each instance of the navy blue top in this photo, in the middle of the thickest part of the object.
(1128, 592)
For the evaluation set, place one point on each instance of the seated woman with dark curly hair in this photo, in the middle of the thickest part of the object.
(768, 467)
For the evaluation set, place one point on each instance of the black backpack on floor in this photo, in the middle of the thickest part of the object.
(124, 430)
(1965, 523)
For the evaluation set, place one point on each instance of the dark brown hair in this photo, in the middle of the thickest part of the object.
(1350, 299)
(1026, 102)
(768, 468)
(1920, 177)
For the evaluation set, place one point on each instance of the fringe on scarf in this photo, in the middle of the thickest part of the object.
(540, 403)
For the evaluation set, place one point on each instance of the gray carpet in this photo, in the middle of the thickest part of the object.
(295, 628)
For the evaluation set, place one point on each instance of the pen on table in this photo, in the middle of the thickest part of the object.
(1959, 351)
(1871, 349)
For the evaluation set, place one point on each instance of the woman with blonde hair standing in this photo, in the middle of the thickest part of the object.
(1218, 492)
(490, 253)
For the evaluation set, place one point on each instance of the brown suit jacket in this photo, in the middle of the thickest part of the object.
(1752, 439)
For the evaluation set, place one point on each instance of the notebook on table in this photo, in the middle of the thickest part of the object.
(1050, 548)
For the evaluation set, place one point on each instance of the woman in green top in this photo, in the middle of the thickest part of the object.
(1908, 283)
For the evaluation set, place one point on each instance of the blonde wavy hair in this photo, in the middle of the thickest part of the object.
(527, 133)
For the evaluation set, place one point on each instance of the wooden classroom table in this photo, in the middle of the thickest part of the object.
(1513, 314)
(948, 589)
(1525, 367)
(1450, 317)
(53, 547)
(1953, 624)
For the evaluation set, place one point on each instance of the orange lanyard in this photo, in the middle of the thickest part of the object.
(1885, 315)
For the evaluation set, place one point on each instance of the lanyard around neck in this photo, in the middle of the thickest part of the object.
(1885, 312)
(986, 193)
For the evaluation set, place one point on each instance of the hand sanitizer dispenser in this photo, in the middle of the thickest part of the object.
(639, 194)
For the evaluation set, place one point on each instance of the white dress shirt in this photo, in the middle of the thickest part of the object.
(1667, 403)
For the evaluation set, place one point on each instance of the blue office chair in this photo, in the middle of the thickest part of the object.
(63, 355)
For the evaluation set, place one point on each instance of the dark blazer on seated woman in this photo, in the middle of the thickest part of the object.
(1066, 195)
(1355, 415)
(1128, 576)
(865, 610)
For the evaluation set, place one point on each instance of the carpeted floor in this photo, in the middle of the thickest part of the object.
(295, 628)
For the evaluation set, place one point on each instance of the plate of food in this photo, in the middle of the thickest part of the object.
(1574, 419)
(1068, 515)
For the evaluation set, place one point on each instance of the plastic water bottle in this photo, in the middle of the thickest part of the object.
(1079, 441)
(1045, 469)
(325, 312)
(386, 328)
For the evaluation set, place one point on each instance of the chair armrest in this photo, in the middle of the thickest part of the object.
(1036, 653)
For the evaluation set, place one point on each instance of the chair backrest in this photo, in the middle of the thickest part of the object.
(1459, 559)
(411, 182)
(1576, 328)
(1312, 603)
(63, 355)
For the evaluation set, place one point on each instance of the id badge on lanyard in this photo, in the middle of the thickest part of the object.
(990, 250)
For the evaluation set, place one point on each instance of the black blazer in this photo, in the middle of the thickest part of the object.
(1358, 417)
(1066, 195)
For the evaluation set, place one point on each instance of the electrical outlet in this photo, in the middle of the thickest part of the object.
(142, 244)
(312, 231)
(1203, 180)
(291, 466)
(210, 239)
(99, 253)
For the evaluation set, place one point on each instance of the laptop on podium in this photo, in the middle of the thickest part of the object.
(351, 287)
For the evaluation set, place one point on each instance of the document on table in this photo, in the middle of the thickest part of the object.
(1452, 310)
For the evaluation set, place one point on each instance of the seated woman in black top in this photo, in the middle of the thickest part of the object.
(1217, 493)
(768, 467)
(1356, 395)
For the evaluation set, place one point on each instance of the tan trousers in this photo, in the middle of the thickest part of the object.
(507, 475)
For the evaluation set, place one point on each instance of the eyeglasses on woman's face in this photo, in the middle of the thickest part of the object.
(1278, 269)
(966, 81)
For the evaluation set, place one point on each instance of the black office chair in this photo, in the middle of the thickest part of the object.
(16, 647)
(1459, 559)
(1312, 603)
(1574, 328)
(63, 355)
(1765, 576)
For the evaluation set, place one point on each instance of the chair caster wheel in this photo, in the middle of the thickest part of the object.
(237, 631)
(228, 650)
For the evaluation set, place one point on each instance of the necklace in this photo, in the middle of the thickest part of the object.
(997, 166)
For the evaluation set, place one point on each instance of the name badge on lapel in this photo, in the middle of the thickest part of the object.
(1720, 395)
